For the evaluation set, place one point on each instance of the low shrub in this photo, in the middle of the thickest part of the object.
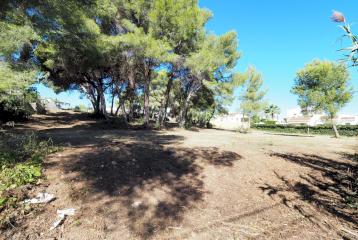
(269, 122)
(80, 108)
(17, 107)
(20, 163)
(319, 130)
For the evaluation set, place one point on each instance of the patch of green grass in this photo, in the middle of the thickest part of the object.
(353, 202)
(349, 131)
(20, 163)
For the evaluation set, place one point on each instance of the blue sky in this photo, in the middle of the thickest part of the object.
(278, 37)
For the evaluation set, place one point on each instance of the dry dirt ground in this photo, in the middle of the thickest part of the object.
(198, 184)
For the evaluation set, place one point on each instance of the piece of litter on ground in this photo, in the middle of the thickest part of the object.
(114, 163)
(136, 204)
(62, 214)
(67, 212)
(41, 198)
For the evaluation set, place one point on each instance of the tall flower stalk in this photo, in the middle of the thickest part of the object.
(352, 51)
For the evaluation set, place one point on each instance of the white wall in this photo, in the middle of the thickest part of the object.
(318, 119)
(229, 122)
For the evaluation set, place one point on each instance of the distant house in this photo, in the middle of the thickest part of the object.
(231, 121)
(50, 105)
(42, 106)
(344, 119)
(295, 117)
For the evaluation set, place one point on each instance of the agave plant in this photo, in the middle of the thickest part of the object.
(352, 51)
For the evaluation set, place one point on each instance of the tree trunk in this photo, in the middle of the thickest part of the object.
(112, 102)
(118, 93)
(102, 102)
(124, 112)
(96, 106)
(90, 93)
(147, 79)
(336, 133)
(163, 112)
(146, 103)
(131, 110)
(95, 94)
(184, 111)
(117, 110)
(131, 85)
(211, 116)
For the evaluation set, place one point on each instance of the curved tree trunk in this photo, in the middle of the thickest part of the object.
(95, 93)
(336, 133)
(123, 108)
(92, 94)
(117, 110)
(334, 127)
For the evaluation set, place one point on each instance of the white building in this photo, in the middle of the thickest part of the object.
(344, 119)
(233, 121)
(295, 117)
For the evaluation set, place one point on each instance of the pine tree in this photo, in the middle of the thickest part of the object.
(323, 86)
(252, 97)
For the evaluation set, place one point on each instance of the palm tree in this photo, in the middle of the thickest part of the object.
(272, 111)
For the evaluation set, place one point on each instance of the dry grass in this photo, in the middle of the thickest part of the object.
(179, 184)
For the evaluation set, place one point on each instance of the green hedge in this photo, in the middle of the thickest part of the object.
(319, 130)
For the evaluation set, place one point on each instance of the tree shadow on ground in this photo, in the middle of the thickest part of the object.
(326, 187)
(58, 118)
(143, 174)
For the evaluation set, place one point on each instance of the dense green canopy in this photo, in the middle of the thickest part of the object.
(323, 86)
(127, 51)
(252, 97)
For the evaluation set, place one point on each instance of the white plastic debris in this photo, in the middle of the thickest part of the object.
(62, 214)
(136, 204)
(41, 198)
(10, 124)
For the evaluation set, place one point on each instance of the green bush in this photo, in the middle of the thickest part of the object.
(20, 163)
(80, 108)
(200, 118)
(319, 130)
(269, 122)
(17, 106)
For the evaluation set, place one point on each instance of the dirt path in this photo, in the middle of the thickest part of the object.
(206, 184)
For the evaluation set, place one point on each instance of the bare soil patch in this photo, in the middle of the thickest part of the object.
(203, 184)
